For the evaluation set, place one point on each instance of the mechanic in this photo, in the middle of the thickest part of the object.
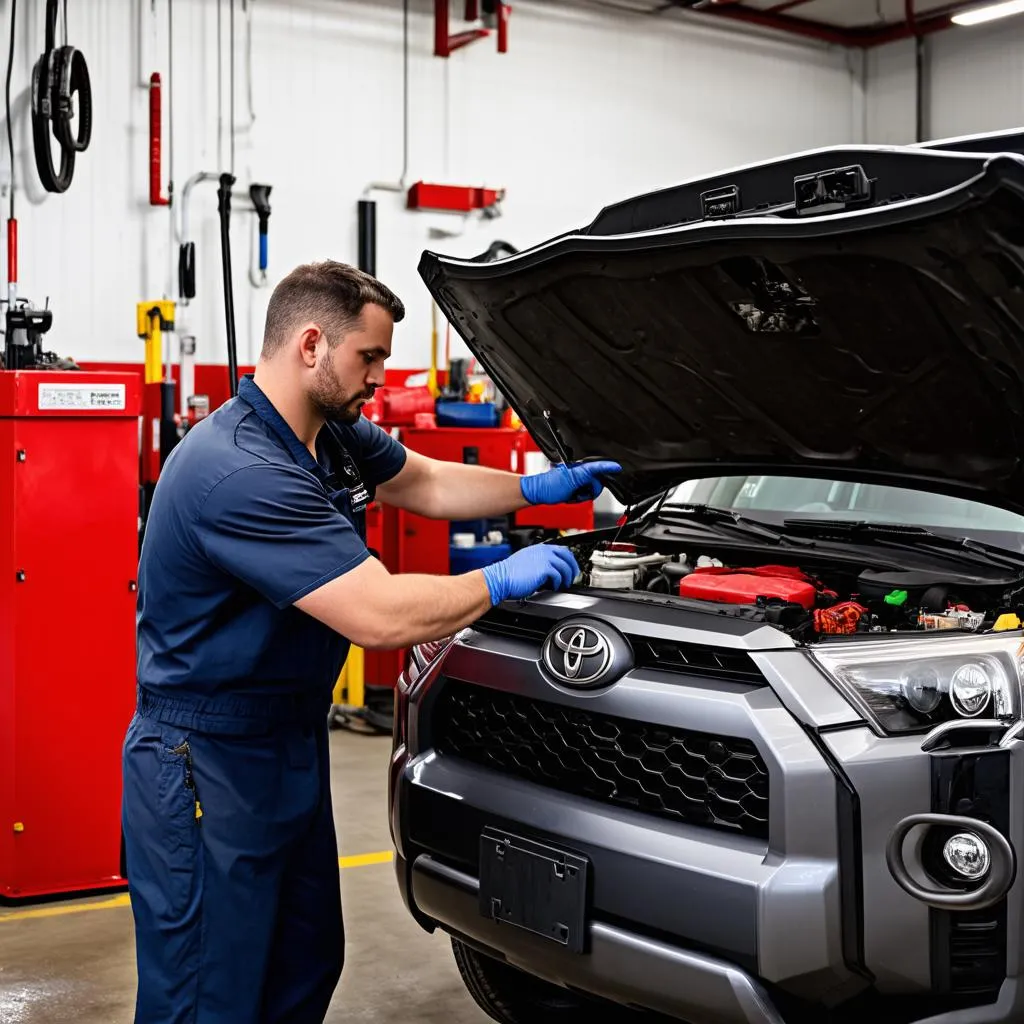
(254, 579)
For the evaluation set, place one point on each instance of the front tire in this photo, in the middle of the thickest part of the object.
(511, 996)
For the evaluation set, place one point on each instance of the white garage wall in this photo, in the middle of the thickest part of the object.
(586, 108)
(974, 83)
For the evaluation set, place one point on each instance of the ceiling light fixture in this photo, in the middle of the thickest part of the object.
(979, 15)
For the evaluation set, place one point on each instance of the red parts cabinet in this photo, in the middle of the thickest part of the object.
(424, 542)
(69, 498)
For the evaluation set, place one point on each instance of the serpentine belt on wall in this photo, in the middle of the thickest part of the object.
(58, 74)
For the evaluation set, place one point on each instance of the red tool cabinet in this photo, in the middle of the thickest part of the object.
(423, 543)
(69, 498)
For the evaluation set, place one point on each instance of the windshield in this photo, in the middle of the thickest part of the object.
(776, 498)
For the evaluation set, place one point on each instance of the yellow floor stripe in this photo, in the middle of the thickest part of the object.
(364, 860)
(59, 911)
(359, 860)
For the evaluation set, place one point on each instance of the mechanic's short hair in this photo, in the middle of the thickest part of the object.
(330, 293)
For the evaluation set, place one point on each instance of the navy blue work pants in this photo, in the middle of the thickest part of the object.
(232, 865)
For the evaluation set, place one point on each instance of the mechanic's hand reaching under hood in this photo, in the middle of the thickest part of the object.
(528, 570)
(577, 481)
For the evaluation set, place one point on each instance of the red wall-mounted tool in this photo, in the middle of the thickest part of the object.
(446, 43)
(454, 198)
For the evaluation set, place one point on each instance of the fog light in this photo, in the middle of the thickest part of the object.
(967, 855)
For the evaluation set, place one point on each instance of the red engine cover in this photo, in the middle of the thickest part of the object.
(746, 588)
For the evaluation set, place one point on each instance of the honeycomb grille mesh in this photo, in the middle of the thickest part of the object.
(693, 777)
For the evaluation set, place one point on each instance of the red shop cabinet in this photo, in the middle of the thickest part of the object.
(424, 542)
(69, 496)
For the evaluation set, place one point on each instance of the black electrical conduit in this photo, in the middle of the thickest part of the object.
(57, 75)
(368, 236)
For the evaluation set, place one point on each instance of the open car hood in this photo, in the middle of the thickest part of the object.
(838, 334)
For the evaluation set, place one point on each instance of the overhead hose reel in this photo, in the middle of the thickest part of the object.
(58, 74)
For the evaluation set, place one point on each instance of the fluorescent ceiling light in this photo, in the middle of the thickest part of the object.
(978, 15)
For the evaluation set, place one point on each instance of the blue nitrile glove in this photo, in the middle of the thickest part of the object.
(528, 570)
(574, 482)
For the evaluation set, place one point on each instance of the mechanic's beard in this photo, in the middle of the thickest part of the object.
(332, 400)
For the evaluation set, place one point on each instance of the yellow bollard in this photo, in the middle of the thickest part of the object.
(152, 318)
(348, 690)
(340, 687)
(354, 666)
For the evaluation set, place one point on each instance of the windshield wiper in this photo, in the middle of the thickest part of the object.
(910, 536)
(732, 521)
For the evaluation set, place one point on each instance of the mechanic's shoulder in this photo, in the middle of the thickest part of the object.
(240, 482)
(362, 436)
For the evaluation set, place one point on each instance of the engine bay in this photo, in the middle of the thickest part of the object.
(812, 600)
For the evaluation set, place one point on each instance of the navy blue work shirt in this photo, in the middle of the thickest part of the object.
(244, 522)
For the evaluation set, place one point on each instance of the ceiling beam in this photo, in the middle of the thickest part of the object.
(923, 24)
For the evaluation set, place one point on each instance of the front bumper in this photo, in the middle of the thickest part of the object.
(691, 921)
(626, 967)
(621, 965)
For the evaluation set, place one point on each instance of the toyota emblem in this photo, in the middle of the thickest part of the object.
(577, 655)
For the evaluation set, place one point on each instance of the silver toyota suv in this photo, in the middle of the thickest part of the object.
(763, 763)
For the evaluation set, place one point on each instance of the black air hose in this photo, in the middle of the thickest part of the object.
(227, 181)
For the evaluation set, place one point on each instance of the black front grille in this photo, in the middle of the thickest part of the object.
(650, 652)
(696, 659)
(501, 622)
(977, 952)
(693, 777)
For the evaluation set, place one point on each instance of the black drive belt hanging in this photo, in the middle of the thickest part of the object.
(58, 74)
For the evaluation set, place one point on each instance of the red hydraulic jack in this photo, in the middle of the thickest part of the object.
(446, 43)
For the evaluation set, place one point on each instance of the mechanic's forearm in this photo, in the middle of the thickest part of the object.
(426, 608)
(462, 491)
(383, 612)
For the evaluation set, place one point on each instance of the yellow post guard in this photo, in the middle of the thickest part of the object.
(151, 320)
(349, 688)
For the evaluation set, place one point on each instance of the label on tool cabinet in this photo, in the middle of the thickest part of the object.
(81, 396)
(536, 463)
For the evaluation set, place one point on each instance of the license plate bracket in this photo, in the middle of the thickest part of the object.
(535, 887)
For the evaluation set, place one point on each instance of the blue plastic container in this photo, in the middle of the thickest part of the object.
(466, 414)
(467, 559)
(477, 527)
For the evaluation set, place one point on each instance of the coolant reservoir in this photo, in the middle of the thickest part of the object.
(618, 567)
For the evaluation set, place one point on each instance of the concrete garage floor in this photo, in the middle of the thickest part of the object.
(75, 961)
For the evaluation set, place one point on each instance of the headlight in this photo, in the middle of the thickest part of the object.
(913, 685)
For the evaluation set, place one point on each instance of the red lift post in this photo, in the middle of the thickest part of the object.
(69, 487)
